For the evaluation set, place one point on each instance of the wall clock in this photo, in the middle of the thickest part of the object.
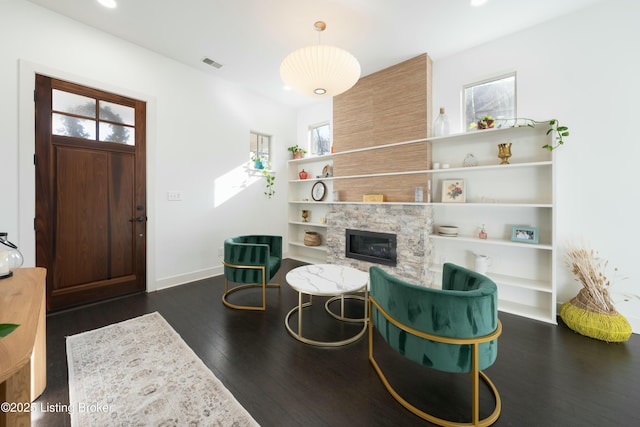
(318, 191)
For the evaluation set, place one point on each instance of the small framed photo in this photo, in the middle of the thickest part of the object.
(524, 234)
(453, 191)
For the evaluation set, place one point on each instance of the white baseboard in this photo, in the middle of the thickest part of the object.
(169, 282)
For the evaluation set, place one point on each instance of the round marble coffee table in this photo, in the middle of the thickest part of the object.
(338, 281)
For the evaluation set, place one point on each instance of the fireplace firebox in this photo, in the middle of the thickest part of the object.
(371, 246)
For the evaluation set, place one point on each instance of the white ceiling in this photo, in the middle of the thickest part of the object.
(251, 37)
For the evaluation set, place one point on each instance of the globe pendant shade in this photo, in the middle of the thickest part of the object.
(320, 71)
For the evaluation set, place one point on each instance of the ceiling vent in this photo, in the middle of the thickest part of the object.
(211, 62)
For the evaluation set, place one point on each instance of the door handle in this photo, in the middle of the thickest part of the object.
(138, 219)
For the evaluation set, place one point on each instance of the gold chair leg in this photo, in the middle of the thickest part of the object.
(264, 285)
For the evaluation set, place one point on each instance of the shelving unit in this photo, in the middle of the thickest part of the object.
(299, 198)
(499, 197)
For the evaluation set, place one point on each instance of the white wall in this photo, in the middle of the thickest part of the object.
(197, 140)
(584, 70)
(313, 114)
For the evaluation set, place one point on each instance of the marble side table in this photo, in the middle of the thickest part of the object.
(338, 281)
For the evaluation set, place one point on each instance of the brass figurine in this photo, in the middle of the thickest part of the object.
(305, 215)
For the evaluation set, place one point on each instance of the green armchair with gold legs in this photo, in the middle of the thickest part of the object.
(453, 329)
(251, 261)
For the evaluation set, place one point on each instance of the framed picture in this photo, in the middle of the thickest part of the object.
(453, 191)
(524, 234)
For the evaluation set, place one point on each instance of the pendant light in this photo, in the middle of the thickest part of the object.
(320, 71)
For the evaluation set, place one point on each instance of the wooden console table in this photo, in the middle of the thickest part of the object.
(23, 353)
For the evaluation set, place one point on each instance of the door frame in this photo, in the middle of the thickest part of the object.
(26, 139)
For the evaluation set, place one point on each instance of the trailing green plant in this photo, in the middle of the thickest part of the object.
(558, 131)
(7, 328)
(269, 177)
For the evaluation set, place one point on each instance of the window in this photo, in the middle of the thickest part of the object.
(259, 150)
(90, 118)
(494, 97)
(320, 139)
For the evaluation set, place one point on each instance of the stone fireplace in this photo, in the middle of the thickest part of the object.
(408, 222)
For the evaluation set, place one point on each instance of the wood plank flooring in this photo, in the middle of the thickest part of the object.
(546, 375)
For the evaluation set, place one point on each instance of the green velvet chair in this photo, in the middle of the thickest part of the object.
(453, 329)
(251, 261)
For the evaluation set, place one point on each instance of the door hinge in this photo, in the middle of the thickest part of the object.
(35, 96)
(34, 224)
(35, 159)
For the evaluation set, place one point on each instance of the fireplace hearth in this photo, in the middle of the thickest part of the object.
(380, 248)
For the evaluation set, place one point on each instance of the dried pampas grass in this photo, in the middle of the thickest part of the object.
(587, 268)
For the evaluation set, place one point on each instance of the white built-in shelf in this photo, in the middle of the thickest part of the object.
(482, 168)
(484, 134)
(309, 224)
(503, 279)
(541, 313)
(311, 159)
(309, 202)
(302, 181)
(521, 192)
(321, 248)
(497, 205)
(500, 242)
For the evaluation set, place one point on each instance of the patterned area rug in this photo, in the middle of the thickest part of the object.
(141, 373)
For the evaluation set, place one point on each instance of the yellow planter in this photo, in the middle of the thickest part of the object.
(612, 327)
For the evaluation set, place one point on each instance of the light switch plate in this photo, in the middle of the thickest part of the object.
(174, 196)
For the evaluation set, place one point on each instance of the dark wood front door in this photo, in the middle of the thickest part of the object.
(90, 193)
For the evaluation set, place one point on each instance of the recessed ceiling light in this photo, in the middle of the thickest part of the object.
(477, 3)
(111, 4)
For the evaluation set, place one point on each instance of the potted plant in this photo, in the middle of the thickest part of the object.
(258, 162)
(486, 122)
(297, 152)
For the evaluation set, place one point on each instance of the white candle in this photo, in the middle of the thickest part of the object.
(4, 263)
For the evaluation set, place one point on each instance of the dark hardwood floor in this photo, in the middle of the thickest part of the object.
(546, 375)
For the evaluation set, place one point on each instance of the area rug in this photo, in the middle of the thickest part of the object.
(141, 373)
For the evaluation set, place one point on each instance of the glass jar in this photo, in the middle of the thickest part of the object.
(441, 124)
(10, 257)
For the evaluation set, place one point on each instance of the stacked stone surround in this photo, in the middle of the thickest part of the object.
(410, 223)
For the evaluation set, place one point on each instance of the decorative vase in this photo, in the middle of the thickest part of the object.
(258, 164)
(441, 124)
(584, 317)
(303, 174)
(10, 257)
(470, 161)
(504, 152)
